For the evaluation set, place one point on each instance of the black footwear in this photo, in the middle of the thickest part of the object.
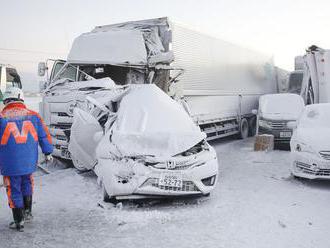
(18, 223)
(27, 208)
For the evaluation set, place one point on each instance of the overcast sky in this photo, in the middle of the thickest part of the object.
(280, 27)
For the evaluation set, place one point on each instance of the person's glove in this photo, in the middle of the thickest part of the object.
(48, 158)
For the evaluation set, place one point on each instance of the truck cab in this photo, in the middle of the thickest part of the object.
(275, 112)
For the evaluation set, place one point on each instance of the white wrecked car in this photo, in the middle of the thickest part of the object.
(146, 145)
(310, 143)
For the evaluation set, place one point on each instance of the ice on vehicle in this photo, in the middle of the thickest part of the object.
(281, 106)
(146, 144)
(151, 123)
(310, 145)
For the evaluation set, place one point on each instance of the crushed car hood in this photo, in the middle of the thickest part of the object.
(150, 123)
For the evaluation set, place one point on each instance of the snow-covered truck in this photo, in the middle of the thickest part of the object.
(311, 77)
(218, 82)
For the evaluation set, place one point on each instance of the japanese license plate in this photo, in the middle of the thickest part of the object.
(170, 180)
(285, 134)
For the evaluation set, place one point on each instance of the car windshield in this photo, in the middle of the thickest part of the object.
(315, 116)
(282, 104)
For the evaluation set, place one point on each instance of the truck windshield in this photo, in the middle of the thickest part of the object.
(282, 104)
(295, 82)
(13, 79)
(69, 72)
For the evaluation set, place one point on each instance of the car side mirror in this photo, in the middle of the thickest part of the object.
(42, 68)
(254, 111)
(292, 125)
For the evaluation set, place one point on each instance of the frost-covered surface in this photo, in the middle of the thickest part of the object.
(283, 106)
(256, 204)
(149, 122)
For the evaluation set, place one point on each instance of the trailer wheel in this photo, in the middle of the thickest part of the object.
(244, 129)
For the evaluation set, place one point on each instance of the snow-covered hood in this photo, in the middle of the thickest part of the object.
(280, 116)
(149, 122)
(317, 138)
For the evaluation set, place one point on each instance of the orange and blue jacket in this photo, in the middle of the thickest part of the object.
(21, 130)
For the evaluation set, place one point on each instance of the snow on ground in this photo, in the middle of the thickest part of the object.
(256, 204)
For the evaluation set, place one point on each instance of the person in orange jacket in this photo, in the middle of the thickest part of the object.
(21, 130)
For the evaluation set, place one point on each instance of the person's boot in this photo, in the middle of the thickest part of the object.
(28, 208)
(18, 223)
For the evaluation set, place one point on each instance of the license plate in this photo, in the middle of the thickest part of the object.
(285, 134)
(170, 180)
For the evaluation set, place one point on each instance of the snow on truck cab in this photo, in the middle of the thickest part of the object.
(275, 112)
(218, 82)
(137, 152)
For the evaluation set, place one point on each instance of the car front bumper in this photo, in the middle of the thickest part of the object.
(311, 166)
(122, 178)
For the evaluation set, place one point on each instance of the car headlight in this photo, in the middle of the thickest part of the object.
(265, 124)
(301, 147)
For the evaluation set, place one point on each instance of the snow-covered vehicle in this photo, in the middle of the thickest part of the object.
(220, 82)
(9, 77)
(275, 111)
(141, 143)
(310, 146)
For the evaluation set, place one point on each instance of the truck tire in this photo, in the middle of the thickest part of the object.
(244, 129)
(252, 126)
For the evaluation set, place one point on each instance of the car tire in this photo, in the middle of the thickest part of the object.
(77, 164)
(244, 129)
(106, 197)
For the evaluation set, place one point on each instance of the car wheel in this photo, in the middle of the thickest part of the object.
(107, 197)
(77, 164)
(244, 129)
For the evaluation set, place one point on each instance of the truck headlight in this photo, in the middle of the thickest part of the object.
(265, 124)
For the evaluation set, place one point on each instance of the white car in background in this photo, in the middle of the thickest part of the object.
(310, 143)
(275, 111)
(141, 143)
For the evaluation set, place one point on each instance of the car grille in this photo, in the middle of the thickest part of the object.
(187, 186)
(278, 125)
(306, 168)
(325, 155)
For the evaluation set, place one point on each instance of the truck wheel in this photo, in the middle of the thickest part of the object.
(252, 126)
(244, 129)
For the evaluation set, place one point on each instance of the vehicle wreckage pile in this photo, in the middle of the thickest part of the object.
(140, 142)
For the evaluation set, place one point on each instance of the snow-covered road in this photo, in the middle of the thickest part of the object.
(256, 204)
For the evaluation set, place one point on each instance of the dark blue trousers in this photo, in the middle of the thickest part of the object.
(17, 187)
